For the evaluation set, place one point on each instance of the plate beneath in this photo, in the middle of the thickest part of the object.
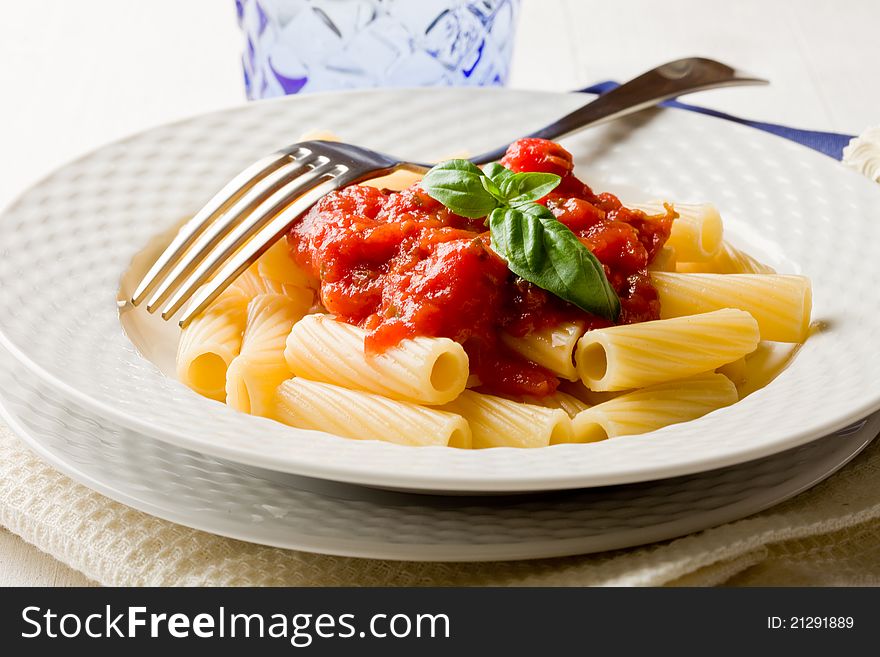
(319, 516)
(66, 242)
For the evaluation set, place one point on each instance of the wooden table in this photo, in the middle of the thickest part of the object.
(77, 74)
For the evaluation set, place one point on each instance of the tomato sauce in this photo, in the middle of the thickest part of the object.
(400, 265)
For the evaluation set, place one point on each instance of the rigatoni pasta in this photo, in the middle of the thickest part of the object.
(639, 355)
(697, 232)
(498, 422)
(423, 370)
(252, 284)
(665, 260)
(551, 347)
(260, 368)
(728, 260)
(277, 265)
(364, 416)
(735, 370)
(764, 364)
(211, 341)
(780, 304)
(654, 407)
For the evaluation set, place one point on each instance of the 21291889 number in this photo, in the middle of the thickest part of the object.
(810, 622)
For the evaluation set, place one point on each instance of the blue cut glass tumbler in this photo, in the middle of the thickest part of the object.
(297, 46)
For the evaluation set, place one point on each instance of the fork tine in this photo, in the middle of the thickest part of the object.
(213, 234)
(307, 184)
(230, 192)
(270, 233)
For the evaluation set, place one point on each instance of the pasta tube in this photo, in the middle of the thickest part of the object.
(209, 344)
(277, 265)
(780, 304)
(551, 347)
(697, 232)
(735, 370)
(765, 364)
(423, 370)
(498, 422)
(665, 260)
(639, 355)
(654, 407)
(365, 416)
(396, 181)
(260, 368)
(252, 284)
(729, 260)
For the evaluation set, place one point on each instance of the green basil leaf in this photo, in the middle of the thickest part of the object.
(545, 252)
(522, 188)
(490, 186)
(457, 185)
(535, 245)
(497, 172)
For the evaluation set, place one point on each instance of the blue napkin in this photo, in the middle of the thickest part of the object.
(829, 143)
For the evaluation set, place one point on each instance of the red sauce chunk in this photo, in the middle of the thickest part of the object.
(401, 265)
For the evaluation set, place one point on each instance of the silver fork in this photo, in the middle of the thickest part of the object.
(257, 207)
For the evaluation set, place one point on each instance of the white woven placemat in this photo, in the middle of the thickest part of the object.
(828, 535)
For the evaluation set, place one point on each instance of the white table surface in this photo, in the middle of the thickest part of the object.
(79, 73)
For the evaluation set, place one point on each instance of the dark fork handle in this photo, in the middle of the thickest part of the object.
(676, 78)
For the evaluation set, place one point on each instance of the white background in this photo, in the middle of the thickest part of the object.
(75, 74)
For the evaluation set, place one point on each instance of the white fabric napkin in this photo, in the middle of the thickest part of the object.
(829, 535)
(863, 153)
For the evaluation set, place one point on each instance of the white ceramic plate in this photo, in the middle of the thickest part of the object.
(288, 511)
(66, 242)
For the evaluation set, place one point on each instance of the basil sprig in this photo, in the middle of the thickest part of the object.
(458, 184)
(536, 246)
